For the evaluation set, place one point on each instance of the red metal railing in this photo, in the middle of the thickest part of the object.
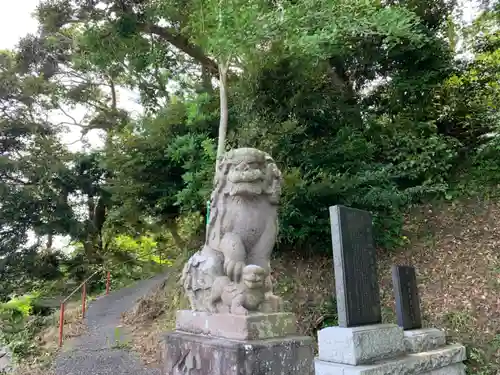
(83, 287)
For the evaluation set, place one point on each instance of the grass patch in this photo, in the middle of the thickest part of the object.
(39, 339)
(154, 314)
(479, 358)
(458, 321)
(118, 341)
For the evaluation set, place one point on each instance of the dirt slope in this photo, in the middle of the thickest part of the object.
(455, 248)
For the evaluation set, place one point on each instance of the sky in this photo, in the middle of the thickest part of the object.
(16, 21)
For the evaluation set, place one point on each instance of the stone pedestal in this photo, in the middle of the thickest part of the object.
(236, 327)
(385, 349)
(421, 340)
(360, 345)
(225, 344)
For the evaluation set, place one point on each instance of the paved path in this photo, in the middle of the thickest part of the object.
(95, 352)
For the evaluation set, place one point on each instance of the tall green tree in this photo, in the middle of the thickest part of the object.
(31, 158)
(131, 37)
(32, 161)
(345, 103)
(162, 166)
(470, 98)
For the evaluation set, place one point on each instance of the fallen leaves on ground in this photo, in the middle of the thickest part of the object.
(455, 248)
(48, 340)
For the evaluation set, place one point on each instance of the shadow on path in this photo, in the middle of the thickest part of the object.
(102, 350)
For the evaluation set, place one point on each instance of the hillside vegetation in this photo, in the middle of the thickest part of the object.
(454, 247)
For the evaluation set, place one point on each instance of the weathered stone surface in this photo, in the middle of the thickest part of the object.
(360, 345)
(203, 355)
(6, 364)
(240, 297)
(443, 361)
(456, 369)
(241, 232)
(408, 312)
(354, 258)
(237, 327)
(421, 340)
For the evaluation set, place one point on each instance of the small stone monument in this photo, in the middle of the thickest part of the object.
(361, 344)
(404, 280)
(416, 338)
(236, 325)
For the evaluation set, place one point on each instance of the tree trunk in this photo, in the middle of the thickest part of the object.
(206, 79)
(91, 240)
(181, 42)
(50, 241)
(340, 78)
(221, 144)
(172, 227)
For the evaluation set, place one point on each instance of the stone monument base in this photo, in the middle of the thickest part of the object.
(386, 349)
(205, 355)
(421, 340)
(225, 344)
(237, 327)
(360, 345)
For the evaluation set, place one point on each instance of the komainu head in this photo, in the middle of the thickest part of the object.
(248, 172)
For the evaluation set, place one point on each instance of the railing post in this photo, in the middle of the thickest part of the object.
(61, 324)
(108, 282)
(84, 299)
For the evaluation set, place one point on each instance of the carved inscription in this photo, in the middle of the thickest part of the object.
(357, 290)
(408, 311)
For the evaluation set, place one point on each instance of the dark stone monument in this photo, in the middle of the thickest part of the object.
(407, 301)
(361, 344)
(354, 258)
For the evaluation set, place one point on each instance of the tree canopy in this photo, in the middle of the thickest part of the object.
(371, 104)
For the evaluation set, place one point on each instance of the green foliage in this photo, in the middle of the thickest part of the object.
(329, 310)
(17, 328)
(30, 159)
(143, 247)
(486, 168)
(21, 304)
(479, 359)
(362, 103)
(330, 158)
(164, 160)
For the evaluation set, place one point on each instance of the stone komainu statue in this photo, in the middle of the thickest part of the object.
(241, 232)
